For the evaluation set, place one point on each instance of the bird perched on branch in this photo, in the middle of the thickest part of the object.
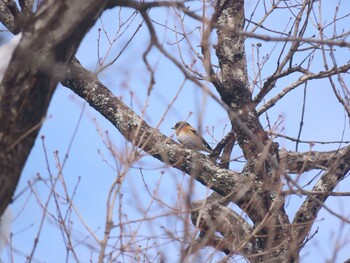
(190, 137)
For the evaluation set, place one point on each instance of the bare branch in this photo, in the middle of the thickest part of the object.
(11, 16)
(307, 213)
(304, 192)
(211, 217)
(25, 94)
(299, 162)
(138, 132)
(331, 43)
(303, 79)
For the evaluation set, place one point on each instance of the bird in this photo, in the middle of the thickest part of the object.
(190, 137)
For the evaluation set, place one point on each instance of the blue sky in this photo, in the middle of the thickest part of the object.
(91, 169)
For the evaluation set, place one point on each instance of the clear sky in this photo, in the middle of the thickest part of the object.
(74, 129)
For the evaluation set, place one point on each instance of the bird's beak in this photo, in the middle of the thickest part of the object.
(173, 128)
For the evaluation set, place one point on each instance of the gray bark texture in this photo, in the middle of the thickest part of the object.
(45, 56)
(29, 82)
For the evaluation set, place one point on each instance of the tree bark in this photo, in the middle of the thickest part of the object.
(42, 59)
(49, 41)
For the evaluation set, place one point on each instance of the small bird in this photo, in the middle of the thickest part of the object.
(190, 137)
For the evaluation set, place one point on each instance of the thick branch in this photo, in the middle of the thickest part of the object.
(212, 217)
(265, 209)
(137, 131)
(234, 91)
(10, 16)
(299, 162)
(307, 213)
(48, 42)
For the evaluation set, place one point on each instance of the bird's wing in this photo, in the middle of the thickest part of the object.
(200, 136)
(194, 131)
(206, 144)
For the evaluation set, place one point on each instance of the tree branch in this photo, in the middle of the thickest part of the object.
(299, 162)
(303, 79)
(211, 217)
(140, 134)
(265, 209)
(307, 213)
(10, 16)
(25, 94)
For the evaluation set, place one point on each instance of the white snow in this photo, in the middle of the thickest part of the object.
(6, 51)
(5, 227)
